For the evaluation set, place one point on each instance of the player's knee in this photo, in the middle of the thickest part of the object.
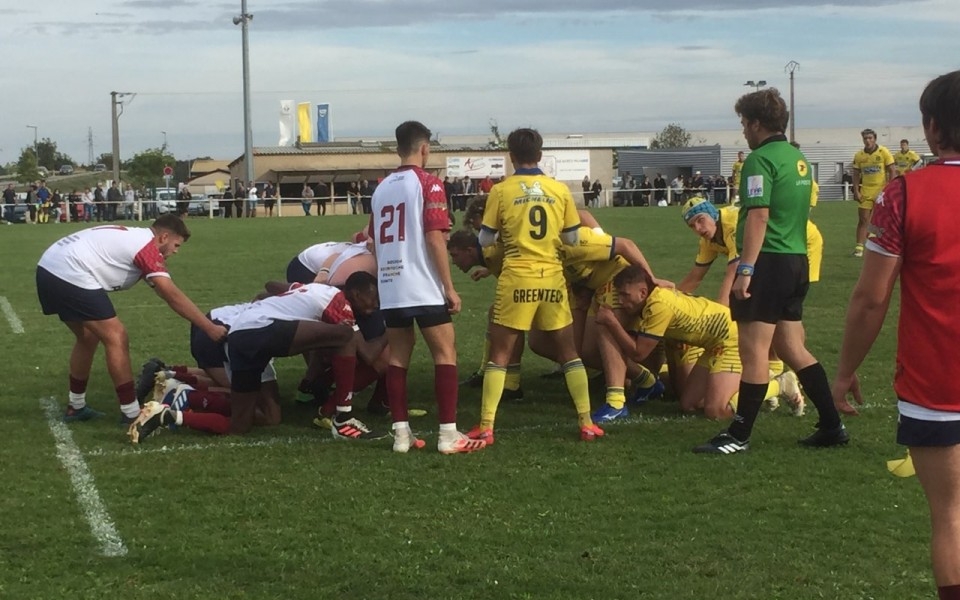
(245, 382)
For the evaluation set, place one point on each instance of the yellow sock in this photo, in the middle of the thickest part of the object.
(776, 367)
(486, 353)
(512, 382)
(493, 377)
(734, 401)
(645, 379)
(773, 389)
(858, 247)
(579, 388)
(615, 397)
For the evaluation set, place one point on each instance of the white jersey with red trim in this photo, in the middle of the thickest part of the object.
(111, 258)
(314, 256)
(406, 205)
(228, 314)
(310, 302)
(352, 251)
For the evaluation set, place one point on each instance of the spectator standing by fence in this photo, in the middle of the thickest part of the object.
(306, 195)
(366, 193)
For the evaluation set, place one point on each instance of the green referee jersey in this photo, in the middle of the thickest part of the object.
(776, 176)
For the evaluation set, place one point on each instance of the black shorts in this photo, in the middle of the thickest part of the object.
(425, 316)
(919, 433)
(269, 203)
(372, 326)
(252, 349)
(208, 353)
(72, 303)
(297, 272)
(777, 290)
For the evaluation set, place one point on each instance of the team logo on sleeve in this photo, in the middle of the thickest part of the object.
(802, 168)
(755, 186)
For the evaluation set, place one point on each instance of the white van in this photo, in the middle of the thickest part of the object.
(166, 199)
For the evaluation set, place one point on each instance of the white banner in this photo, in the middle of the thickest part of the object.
(566, 165)
(288, 116)
(476, 167)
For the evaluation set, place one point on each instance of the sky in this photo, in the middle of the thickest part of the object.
(562, 66)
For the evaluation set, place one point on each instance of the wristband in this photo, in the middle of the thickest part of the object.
(324, 270)
(745, 270)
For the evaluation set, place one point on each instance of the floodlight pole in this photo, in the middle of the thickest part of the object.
(244, 21)
(791, 68)
(115, 119)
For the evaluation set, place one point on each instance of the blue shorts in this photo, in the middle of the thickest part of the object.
(918, 433)
(208, 353)
(72, 303)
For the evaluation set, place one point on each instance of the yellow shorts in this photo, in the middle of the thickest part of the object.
(526, 303)
(814, 251)
(868, 197)
(724, 358)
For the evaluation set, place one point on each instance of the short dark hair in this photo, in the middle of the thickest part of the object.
(940, 102)
(904, 141)
(173, 224)
(868, 131)
(410, 134)
(526, 145)
(630, 275)
(462, 240)
(475, 208)
(766, 106)
(360, 282)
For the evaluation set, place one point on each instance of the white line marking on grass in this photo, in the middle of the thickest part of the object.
(101, 525)
(11, 315)
(222, 443)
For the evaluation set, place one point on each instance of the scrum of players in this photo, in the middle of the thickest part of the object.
(585, 299)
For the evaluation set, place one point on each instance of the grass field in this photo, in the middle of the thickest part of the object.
(286, 513)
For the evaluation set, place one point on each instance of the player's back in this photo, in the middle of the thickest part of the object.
(530, 212)
(310, 302)
(690, 319)
(111, 257)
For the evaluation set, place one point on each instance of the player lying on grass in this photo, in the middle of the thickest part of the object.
(73, 278)
(652, 314)
(305, 318)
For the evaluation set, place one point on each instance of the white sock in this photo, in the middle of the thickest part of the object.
(401, 425)
(130, 410)
(448, 428)
(178, 416)
(78, 401)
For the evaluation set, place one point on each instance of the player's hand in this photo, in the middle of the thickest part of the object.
(217, 333)
(840, 389)
(453, 301)
(664, 283)
(479, 274)
(605, 315)
(740, 288)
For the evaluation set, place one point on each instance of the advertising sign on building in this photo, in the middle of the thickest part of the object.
(566, 165)
(476, 167)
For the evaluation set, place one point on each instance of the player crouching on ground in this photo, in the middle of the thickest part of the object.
(652, 314)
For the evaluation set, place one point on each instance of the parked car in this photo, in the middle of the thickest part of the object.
(66, 169)
(99, 168)
(200, 206)
(44, 173)
(166, 199)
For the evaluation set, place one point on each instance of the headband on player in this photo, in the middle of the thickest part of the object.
(699, 205)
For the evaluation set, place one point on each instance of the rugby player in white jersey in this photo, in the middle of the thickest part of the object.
(74, 276)
(408, 225)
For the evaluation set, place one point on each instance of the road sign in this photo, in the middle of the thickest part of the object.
(167, 171)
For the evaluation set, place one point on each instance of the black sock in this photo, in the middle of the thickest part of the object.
(817, 386)
(748, 407)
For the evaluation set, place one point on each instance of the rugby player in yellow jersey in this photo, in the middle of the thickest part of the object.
(590, 267)
(906, 160)
(873, 167)
(652, 313)
(533, 215)
(737, 169)
(717, 231)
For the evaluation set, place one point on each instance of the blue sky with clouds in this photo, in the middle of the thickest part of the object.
(562, 66)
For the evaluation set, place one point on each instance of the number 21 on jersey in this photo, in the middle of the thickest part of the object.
(391, 215)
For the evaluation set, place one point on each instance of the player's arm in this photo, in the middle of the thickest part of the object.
(183, 306)
(693, 279)
(727, 284)
(855, 174)
(889, 164)
(629, 250)
(436, 225)
(491, 219)
(587, 219)
(570, 234)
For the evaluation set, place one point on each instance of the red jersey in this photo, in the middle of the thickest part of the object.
(917, 217)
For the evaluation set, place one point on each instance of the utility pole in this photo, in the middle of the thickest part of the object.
(115, 119)
(792, 68)
(90, 146)
(244, 22)
(116, 109)
(36, 148)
